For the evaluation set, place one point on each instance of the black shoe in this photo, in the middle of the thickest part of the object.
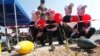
(61, 43)
(43, 44)
(50, 44)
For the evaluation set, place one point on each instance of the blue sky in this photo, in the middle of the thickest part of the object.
(58, 5)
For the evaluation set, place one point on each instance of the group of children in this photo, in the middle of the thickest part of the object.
(44, 25)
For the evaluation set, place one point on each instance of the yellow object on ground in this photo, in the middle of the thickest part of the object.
(0, 48)
(25, 47)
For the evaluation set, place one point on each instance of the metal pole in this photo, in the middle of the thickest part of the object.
(16, 22)
(8, 44)
(4, 14)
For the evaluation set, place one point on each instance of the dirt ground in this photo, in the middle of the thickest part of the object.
(61, 50)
